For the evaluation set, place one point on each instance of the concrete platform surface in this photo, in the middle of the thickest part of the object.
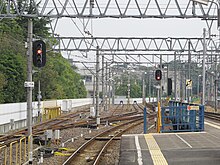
(189, 148)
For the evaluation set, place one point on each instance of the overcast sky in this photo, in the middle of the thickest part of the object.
(136, 27)
(132, 27)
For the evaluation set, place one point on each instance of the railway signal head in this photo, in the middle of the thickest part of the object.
(169, 86)
(158, 75)
(39, 53)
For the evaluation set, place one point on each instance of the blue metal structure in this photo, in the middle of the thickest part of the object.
(178, 117)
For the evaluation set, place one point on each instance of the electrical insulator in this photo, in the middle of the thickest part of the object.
(92, 3)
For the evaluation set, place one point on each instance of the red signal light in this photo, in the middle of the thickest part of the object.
(39, 51)
(158, 75)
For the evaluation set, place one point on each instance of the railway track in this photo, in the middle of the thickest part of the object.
(212, 116)
(73, 120)
(67, 121)
(91, 151)
(40, 128)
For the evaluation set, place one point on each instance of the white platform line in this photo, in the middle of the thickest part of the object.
(212, 125)
(139, 159)
(184, 141)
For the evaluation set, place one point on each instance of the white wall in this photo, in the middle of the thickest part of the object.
(138, 100)
(18, 111)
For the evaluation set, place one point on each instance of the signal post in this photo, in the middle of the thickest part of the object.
(37, 54)
(158, 77)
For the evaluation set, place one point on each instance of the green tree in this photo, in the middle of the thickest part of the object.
(59, 80)
(2, 84)
(13, 68)
(12, 62)
(122, 88)
(40, 28)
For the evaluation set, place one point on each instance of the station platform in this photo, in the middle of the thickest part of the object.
(188, 148)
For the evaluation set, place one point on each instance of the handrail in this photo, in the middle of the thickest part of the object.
(16, 152)
(4, 147)
(23, 138)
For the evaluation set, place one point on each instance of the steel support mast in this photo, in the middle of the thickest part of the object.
(29, 89)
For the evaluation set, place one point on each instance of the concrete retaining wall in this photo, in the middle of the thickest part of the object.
(13, 115)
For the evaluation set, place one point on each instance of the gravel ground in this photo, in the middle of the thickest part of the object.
(78, 134)
(111, 156)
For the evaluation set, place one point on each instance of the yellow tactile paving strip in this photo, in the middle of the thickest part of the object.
(155, 152)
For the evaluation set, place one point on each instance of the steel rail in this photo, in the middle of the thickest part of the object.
(83, 146)
(110, 140)
(58, 124)
(213, 116)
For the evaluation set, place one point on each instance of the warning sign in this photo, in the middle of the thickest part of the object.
(188, 84)
(192, 107)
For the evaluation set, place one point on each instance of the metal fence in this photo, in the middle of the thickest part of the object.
(182, 117)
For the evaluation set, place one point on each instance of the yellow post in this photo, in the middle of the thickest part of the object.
(158, 118)
(16, 152)
(23, 138)
(4, 147)
(59, 111)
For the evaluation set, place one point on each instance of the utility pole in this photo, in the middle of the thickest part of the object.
(175, 76)
(129, 87)
(149, 89)
(106, 84)
(113, 89)
(160, 83)
(97, 87)
(215, 83)
(143, 90)
(103, 84)
(203, 67)
(39, 103)
(189, 75)
(184, 82)
(29, 88)
(94, 91)
(109, 87)
(167, 76)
